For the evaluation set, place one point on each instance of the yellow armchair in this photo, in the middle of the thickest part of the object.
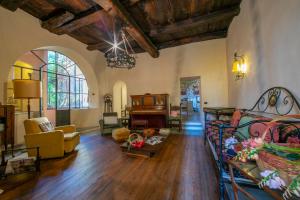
(52, 144)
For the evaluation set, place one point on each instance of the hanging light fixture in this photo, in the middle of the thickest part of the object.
(239, 67)
(121, 54)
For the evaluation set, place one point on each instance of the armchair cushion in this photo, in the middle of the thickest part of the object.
(66, 128)
(70, 136)
(32, 125)
(108, 120)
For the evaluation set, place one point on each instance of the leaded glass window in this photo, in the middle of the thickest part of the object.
(67, 86)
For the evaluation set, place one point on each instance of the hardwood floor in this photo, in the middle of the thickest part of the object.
(99, 170)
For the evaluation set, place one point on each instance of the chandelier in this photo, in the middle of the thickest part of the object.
(121, 54)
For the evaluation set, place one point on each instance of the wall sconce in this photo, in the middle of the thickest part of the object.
(239, 67)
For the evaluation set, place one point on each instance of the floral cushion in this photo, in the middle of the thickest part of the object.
(174, 113)
(258, 129)
(289, 134)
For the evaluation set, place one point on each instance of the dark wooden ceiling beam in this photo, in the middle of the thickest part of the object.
(196, 38)
(58, 20)
(103, 46)
(116, 9)
(12, 5)
(98, 45)
(197, 21)
(132, 2)
(78, 22)
(103, 43)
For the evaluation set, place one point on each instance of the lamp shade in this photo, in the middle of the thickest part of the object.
(235, 66)
(27, 89)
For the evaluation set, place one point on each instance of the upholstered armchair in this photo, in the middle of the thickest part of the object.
(109, 122)
(53, 143)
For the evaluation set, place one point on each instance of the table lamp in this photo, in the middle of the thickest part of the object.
(27, 89)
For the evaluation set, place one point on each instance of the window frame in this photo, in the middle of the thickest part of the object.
(78, 94)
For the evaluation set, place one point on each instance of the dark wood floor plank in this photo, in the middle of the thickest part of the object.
(182, 170)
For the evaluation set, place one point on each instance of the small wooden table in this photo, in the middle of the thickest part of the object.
(146, 151)
(251, 171)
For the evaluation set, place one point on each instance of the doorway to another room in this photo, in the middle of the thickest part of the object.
(190, 101)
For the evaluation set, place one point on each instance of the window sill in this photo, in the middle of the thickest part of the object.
(68, 109)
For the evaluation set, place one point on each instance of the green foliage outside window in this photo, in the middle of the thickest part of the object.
(67, 86)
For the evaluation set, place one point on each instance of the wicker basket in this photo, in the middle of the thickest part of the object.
(135, 140)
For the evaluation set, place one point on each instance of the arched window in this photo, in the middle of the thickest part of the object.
(67, 86)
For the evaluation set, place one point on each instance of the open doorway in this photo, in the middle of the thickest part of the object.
(190, 100)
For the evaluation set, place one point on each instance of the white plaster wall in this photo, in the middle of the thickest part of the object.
(119, 97)
(205, 59)
(267, 32)
(20, 32)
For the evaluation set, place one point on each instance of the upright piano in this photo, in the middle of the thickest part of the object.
(151, 107)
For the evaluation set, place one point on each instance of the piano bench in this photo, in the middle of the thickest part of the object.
(139, 124)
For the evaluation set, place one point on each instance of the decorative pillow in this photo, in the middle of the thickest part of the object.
(110, 120)
(236, 117)
(257, 130)
(290, 131)
(244, 131)
(46, 126)
(174, 113)
(293, 140)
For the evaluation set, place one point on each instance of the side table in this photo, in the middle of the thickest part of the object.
(251, 171)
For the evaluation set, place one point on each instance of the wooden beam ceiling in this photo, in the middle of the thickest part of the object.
(76, 23)
(196, 21)
(58, 20)
(91, 21)
(115, 9)
(196, 38)
(98, 45)
(103, 45)
(12, 5)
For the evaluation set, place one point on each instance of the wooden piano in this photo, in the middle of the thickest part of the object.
(151, 107)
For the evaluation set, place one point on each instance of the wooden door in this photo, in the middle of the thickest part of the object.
(63, 117)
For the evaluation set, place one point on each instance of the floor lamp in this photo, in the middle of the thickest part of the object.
(27, 89)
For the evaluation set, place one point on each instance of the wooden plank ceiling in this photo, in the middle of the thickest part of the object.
(152, 24)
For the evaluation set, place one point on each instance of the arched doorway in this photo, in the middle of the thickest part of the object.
(119, 97)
